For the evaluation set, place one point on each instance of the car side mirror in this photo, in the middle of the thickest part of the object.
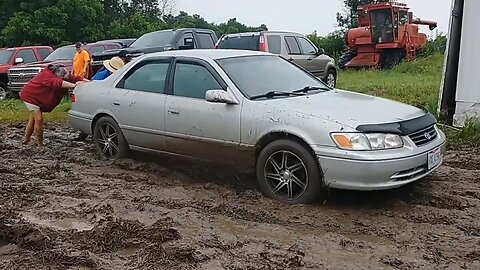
(219, 96)
(18, 60)
(320, 51)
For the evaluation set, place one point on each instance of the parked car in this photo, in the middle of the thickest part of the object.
(253, 108)
(10, 57)
(170, 39)
(21, 74)
(124, 42)
(293, 46)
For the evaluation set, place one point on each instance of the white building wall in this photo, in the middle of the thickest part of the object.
(468, 82)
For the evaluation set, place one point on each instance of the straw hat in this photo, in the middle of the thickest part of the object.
(113, 64)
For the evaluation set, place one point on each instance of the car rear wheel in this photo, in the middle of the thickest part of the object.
(288, 172)
(331, 79)
(109, 140)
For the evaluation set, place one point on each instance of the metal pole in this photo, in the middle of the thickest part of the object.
(447, 103)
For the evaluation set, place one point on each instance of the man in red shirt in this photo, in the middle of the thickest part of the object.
(42, 94)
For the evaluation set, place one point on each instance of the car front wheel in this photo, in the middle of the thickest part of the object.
(109, 140)
(3, 91)
(288, 172)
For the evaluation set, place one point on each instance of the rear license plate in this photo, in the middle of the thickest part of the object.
(434, 158)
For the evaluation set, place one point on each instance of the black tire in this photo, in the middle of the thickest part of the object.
(392, 58)
(4, 93)
(331, 72)
(310, 171)
(345, 58)
(106, 125)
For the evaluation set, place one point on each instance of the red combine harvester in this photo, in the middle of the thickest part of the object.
(386, 35)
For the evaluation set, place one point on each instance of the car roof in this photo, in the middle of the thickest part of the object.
(210, 53)
(25, 47)
(264, 32)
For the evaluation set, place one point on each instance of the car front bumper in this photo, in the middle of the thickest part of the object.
(371, 173)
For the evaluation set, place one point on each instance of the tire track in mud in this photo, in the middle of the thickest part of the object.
(61, 207)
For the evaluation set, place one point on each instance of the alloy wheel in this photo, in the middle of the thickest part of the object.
(331, 80)
(3, 93)
(286, 175)
(108, 140)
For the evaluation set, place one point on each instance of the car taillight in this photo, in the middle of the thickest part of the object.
(72, 97)
(262, 46)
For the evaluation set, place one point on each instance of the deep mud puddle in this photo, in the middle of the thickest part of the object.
(62, 208)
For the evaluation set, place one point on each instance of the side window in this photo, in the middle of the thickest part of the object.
(307, 47)
(44, 52)
(149, 77)
(27, 55)
(113, 46)
(274, 44)
(193, 80)
(292, 45)
(206, 40)
(186, 41)
(96, 49)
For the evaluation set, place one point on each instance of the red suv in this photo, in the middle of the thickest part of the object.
(20, 55)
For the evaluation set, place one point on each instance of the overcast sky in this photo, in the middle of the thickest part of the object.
(302, 16)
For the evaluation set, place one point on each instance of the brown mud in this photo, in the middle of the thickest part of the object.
(63, 208)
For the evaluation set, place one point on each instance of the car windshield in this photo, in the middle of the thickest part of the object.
(5, 56)
(155, 39)
(250, 42)
(63, 53)
(258, 75)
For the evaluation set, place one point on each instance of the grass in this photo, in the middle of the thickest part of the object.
(14, 111)
(416, 83)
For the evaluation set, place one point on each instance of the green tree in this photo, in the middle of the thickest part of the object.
(333, 43)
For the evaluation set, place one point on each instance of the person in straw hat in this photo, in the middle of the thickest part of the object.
(111, 66)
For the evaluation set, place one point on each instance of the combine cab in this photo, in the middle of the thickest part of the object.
(386, 35)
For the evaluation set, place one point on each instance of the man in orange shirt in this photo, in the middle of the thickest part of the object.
(81, 62)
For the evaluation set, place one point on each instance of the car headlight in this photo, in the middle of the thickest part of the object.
(370, 141)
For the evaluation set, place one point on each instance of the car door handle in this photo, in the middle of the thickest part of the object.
(290, 59)
(116, 103)
(173, 112)
(309, 59)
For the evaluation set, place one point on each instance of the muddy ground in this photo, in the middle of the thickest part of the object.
(63, 208)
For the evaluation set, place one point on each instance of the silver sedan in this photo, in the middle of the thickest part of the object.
(258, 111)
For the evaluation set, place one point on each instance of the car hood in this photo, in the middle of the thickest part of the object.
(4, 68)
(348, 108)
(44, 64)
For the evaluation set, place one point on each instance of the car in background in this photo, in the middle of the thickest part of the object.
(10, 57)
(125, 42)
(170, 39)
(293, 46)
(258, 110)
(21, 74)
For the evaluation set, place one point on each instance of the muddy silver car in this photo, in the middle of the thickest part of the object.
(247, 108)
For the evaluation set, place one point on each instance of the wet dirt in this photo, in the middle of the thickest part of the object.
(62, 207)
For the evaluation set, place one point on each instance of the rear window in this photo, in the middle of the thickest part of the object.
(240, 43)
(274, 44)
(206, 40)
(44, 52)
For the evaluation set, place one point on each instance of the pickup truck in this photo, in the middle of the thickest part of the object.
(19, 75)
(170, 39)
(10, 57)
